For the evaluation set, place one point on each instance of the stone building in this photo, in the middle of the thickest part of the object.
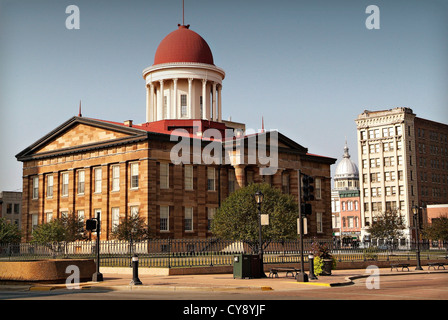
(403, 163)
(345, 199)
(11, 207)
(90, 166)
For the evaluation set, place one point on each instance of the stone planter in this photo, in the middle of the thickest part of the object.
(45, 271)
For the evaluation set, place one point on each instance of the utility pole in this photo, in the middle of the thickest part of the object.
(302, 276)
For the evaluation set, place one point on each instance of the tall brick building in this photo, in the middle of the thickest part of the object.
(116, 169)
(403, 163)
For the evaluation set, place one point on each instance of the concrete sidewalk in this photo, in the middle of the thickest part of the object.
(221, 282)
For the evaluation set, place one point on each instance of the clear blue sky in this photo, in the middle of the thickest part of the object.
(309, 67)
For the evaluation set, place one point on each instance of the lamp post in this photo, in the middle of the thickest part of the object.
(98, 276)
(417, 237)
(259, 200)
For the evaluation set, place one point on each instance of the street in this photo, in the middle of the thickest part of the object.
(432, 286)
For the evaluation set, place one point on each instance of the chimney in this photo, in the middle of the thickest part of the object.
(128, 123)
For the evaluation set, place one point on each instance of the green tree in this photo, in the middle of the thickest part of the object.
(50, 232)
(437, 230)
(131, 227)
(74, 228)
(237, 218)
(388, 225)
(9, 233)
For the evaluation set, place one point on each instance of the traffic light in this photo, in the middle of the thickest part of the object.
(306, 209)
(307, 188)
(91, 224)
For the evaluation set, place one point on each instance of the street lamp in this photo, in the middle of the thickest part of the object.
(259, 200)
(417, 238)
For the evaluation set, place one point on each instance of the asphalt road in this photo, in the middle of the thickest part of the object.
(432, 286)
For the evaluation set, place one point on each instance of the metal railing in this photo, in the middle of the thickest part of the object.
(173, 253)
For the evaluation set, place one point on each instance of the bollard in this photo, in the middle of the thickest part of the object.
(135, 280)
(311, 260)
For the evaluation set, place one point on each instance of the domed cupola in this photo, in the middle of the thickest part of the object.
(183, 45)
(346, 175)
(183, 83)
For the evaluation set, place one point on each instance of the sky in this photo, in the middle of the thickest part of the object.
(309, 68)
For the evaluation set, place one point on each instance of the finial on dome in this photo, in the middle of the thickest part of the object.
(346, 154)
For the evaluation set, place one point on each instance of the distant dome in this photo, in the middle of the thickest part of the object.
(346, 168)
(183, 45)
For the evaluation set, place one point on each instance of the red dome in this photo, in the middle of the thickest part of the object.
(183, 45)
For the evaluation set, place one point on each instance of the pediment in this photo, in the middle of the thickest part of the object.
(80, 133)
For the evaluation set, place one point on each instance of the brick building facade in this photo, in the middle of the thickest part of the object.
(88, 166)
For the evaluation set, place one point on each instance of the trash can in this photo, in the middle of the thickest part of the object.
(255, 266)
(242, 266)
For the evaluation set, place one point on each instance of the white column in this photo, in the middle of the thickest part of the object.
(153, 103)
(148, 103)
(168, 103)
(175, 114)
(214, 102)
(189, 103)
(219, 103)
(204, 99)
(160, 102)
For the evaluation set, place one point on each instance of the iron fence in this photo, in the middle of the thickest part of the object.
(173, 253)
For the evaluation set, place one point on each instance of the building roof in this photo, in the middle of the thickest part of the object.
(183, 45)
(346, 168)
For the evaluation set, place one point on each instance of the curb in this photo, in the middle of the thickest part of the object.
(172, 288)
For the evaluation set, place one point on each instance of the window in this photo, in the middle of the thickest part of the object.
(81, 181)
(115, 218)
(34, 221)
(363, 135)
(188, 169)
(349, 205)
(183, 105)
(81, 215)
(164, 175)
(188, 219)
(211, 179)
(398, 130)
(49, 216)
(210, 215)
(164, 218)
(98, 177)
(391, 131)
(377, 133)
(134, 212)
(50, 182)
(400, 160)
(64, 214)
(285, 183)
(134, 175)
(319, 222)
(35, 187)
(115, 178)
(318, 189)
(16, 208)
(64, 191)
